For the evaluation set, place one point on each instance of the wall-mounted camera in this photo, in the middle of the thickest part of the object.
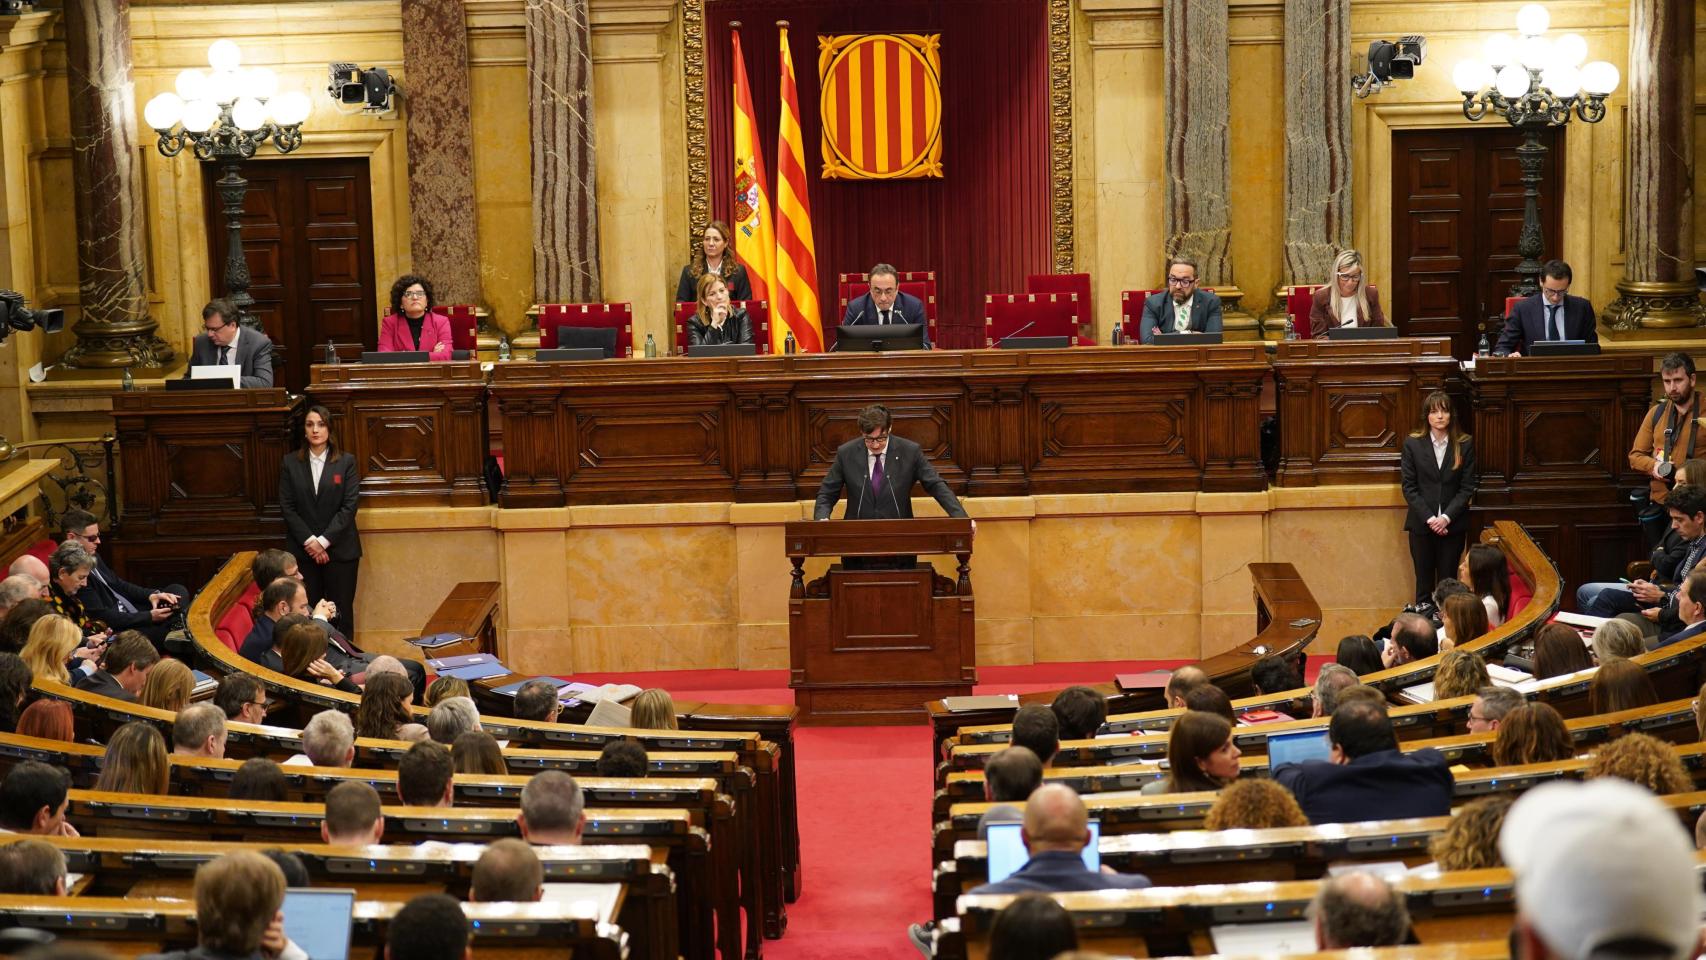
(15, 316)
(1390, 60)
(16, 6)
(370, 90)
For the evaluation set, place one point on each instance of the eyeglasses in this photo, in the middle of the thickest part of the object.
(876, 441)
(1473, 718)
(414, 294)
(215, 329)
(1350, 276)
(262, 703)
(1181, 281)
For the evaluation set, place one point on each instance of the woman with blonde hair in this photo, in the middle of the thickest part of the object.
(717, 320)
(1471, 840)
(653, 709)
(1460, 672)
(1256, 803)
(1345, 300)
(1616, 640)
(136, 761)
(167, 686)
(54, 640)
(443, 688)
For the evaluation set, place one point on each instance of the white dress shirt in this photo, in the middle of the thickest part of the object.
(316, 467)
(871, 463)
(1348, 312)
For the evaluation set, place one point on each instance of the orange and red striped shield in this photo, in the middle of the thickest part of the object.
(881, 105)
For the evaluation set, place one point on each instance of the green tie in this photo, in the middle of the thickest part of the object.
(1183, 323)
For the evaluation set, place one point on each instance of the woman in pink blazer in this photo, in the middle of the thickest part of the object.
(411, 324)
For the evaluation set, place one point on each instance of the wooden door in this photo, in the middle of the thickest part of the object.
(308, 238)
(1457, 202)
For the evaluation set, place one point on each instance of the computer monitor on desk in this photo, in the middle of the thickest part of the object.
(1188, 339)
(879, 337)
(587, 338)
(1563, 348)
(1362, 333)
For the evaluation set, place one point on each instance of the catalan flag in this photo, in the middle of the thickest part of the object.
(881, 105)
(794, 304)
(755, 240)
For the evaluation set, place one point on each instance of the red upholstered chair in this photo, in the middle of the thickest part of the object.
(758, 311)
(42, 549)
(918, 283)
(1510, 302)
(233, 628)
(617, 315)
(462, 325)
(1049, 315)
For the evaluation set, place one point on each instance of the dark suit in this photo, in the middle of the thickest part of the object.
(1686, 633)
(1057, 871)
(1160, 314)
(253, 354)
(1431, 489)
(102, 599)
(907, 308)
(103, 683)
(734, 277)
(327, 511)
(1385, 784)
(737, 328)
(1527, 324)
(904, 464)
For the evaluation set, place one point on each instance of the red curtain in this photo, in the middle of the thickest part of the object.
(985, 224)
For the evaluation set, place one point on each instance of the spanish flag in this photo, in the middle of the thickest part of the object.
(794, 304)
(755, 240)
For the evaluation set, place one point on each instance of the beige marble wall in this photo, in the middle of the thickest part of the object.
(679, 586)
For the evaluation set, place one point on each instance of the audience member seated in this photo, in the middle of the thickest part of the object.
(1559, 650)
(1460, 674)
(385, 663)
(283, 597)
(553, 810)
(1471, 840)
(135, 761)
(241, 698)
(33, 799)
(653, 709)
(451, 718)
(167, 687)
(1658, 609)
(1200, 755)
(16, 625)
(1413, 638)
(1492, 704)
(237, 902)
(1602, 870)
(432, 926)
(1464, 617)
(1010, 777)
(54, 642)
(443, 688)
(33, 567)
(1640, 759)
(1367, 772)
(477, 751)
(1358, 654)
(1182, 682)
(270, 565)
(1274, 674)
(1036, 729)
(1209, 698)
(1332, 679)
(1373, 696)
(327, 741)
(259, 779)
(15, 678)
(384, 710)
(69, 568)
(622, 758)
(118, 603)
(507, 872)
(353, 817)
(1621, 685)
(1057, 827)
(1532, 733)
(1081, 711)
(32, 868)
(199, 731)
(302, 647)
(1690, 612)
(1032, 927)
(48, 720)
(1254, 804)
(1358, 909)
(1488, 575)
(15, 590)
(412, 325)
(125, 663)
(425, 775)
(1616, 640)
(537, 700)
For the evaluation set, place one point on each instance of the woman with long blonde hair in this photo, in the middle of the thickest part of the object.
(1345, 299)
(52, 642)
(136, 761)
(167, 687)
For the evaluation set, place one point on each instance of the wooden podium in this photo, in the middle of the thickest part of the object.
(871, 646)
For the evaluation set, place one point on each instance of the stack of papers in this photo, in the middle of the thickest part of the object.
(483, 670)
(615, 692)
(1515, 679)
(432, 641)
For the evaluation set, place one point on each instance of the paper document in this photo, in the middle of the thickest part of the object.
(229, 371)
(1580, 620)
(588, 899)
(1251, 939)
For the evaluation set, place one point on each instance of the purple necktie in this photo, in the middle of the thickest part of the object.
(877, 474)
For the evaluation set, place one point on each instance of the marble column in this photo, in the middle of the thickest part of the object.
(565, 211)
(1317, 146)
(1197, 207)
(1658, 289)
(114, 329)
(443, 233)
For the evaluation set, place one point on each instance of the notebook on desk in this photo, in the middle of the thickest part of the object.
(995, 701)
(476, 671)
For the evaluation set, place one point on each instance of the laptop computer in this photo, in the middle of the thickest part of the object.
(1563, 348)
(1298, 747)
(1007, 851)
(318, 921)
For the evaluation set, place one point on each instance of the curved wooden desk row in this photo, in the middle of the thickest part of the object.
(1287, 620)
(1526, 559)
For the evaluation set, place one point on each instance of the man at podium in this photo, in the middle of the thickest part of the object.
(880, 469)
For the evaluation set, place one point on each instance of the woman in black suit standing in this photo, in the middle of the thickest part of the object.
(317, 490)
(1439, 479)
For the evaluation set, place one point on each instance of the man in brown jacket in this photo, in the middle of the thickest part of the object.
(1669, 430)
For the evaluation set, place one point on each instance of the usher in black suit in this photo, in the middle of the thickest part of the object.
(327, 511)
(1431, 489)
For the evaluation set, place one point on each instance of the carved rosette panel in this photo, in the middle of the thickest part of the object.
(400, 443)
(1362, 422)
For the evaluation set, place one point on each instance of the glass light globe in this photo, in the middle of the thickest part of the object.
(225, 55)
(258, 82)
(1562, 80)
(164, 111)
(1512, 82)
(1498, 50)
(1570, 48)
(191, 85)
(1471, 76)
(248, 114)
(200, 115)
(1599, 78)
(1534, 53)
(224, 86)
(290, 108)
(1532, 20)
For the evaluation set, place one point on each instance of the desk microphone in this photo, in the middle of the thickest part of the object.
(1016, 332)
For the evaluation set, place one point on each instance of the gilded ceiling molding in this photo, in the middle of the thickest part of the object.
(1060, 131)
(698, 142)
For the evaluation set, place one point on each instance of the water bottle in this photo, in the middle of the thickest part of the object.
(1483, 348)
(125, 382)
(503, 346)
(651, 346)
(331, 352)
(788, 343)
(1290, 329)
(1119, 334)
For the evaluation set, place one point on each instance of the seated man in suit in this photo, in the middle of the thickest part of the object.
(353, 817)
(1358, 910)
(269, 565)
(114, 601)
(33, 799)
(1182, 307)
(124, 666)
(553, 809)
(1368, 775)
(887, 303)
(223, 342)
(507, 872)
(199, 731)
(1690, 608)
(1057, 826)
(282, 597)
(1551, 314)
(425, 775)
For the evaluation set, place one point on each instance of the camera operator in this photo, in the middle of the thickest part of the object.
(1667, 437)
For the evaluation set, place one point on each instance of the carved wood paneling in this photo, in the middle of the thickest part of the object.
(418, 431)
